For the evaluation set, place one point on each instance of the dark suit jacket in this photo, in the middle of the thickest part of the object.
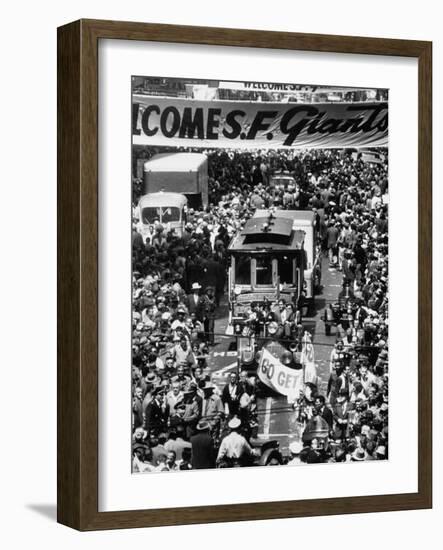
(198, 309)
(233, 404)
(203, 453)
(328, 416)
(342, 430)
(211, 273)
(154, 417)
(342, 383)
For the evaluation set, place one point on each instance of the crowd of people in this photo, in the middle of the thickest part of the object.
(181, 418)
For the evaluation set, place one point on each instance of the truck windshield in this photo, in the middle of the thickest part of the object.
(170, 214)
(264, 270)
(163, 214)
(243, 270)
(150, 214)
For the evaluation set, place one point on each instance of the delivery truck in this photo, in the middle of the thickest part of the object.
(183, 173)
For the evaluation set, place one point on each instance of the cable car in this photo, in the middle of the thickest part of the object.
(267, 263)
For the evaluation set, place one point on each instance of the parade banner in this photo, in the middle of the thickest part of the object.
(246, 125)
(279, 378)
(268, 86)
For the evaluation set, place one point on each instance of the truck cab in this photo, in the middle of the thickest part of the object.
(168, 209)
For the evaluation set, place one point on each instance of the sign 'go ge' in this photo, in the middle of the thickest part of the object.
(278, 377)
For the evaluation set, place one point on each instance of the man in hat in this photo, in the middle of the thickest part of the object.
(295, 449)
(191, 413)
(332, 234)
(234, 449)
(358, 455)
(174, 395)
(212, 407)
(231, 395)
(203, 451)
(322, 410)
(182, 353)
(179, 321)
(209, 314)
(170, 367)
(181, 377)
(195, 303)
(342, 410)
(156, 413)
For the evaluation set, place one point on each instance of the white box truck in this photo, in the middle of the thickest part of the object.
(183, 173)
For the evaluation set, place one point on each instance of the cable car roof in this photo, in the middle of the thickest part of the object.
(298, 217)
(267, 242)
(277, 226)
(269, 230)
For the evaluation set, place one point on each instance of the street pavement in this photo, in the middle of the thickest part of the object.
(276, 417)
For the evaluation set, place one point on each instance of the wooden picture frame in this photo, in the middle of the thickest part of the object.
(78, 274)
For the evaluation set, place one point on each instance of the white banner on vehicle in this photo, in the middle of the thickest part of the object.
(279, 378)
(245, 124)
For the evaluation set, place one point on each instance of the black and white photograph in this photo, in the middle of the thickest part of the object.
(260, 285)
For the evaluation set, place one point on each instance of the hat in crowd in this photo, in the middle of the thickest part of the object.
(365, 430)
(203, 425)
(140, 431)
(139, 446)
(381, 450)
(296, 447)
(358, 455)
(151, 377)
(196, 286)
(234, 423)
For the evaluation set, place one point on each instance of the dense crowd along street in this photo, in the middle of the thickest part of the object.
(195, 404)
